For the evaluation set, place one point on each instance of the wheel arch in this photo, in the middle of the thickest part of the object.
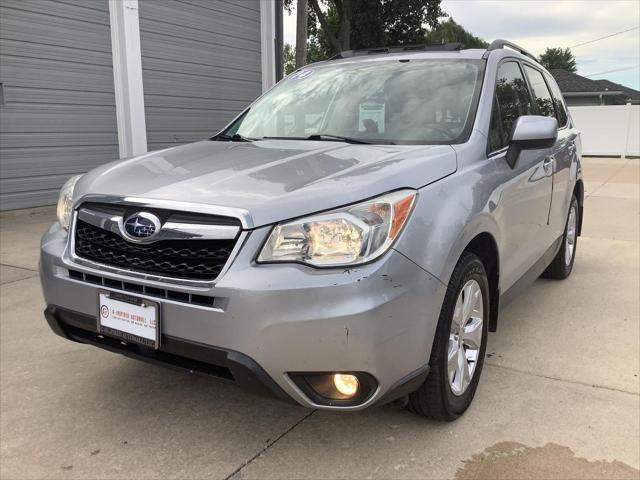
(485, 247)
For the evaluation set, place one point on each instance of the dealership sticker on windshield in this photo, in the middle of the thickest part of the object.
(302, 74)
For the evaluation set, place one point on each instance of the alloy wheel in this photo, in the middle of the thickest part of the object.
(465, 338)
(570, 237)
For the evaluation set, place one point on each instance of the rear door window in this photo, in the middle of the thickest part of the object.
(511, 101)
(543, 99)
(558, 101)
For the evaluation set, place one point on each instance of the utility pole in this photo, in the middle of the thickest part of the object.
(301, 33)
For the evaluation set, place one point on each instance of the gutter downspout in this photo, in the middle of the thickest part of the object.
(279, 42)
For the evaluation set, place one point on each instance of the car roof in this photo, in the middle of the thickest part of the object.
(448, 51)
(471, 54)
(467, 53)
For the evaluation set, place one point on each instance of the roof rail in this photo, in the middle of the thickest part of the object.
(433, 47)
(500, 43)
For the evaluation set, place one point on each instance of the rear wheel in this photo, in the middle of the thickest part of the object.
(459, 346)
(562, 264)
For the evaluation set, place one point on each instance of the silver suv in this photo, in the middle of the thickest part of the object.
(346, 241)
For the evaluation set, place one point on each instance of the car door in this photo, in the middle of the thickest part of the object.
(560, 155)
(565, 153)
(525, 191)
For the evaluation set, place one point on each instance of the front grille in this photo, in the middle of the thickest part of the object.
(185, 259)
(176, 296)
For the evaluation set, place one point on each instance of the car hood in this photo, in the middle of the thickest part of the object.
(269, 180)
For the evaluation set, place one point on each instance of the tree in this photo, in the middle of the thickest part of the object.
(319, 45)
(368, 28)
(338, 34)
(289, 59)
(451, 32)
(301, 33)
(558, 58)
(406, 20)
(338, 25)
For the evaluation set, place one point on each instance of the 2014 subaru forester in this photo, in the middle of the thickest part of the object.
(345, 242)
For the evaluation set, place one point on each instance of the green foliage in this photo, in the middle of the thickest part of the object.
(318, 45)
(406, 21)
(289, 59)
(451, 32)
(288, 6)
(380, 23)
(374, 23)
(368, 25)
(558, 58)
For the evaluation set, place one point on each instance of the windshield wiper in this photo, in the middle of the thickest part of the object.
(322, 137)
(236, 137)
(327, 136)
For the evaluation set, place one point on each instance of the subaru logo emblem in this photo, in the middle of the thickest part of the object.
(141, 226)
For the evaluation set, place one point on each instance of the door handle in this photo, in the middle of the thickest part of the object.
(547, 165)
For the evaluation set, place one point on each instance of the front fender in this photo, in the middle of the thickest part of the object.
(447, 216)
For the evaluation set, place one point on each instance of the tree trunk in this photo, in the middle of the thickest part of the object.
(335, 43)
(345, 24)
(301, 33)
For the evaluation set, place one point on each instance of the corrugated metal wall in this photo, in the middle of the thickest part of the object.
(58, 114)
(201, 66)
(200, 63)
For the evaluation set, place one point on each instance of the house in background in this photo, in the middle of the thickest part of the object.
(86, 82)
(582, 91)
(629, 94)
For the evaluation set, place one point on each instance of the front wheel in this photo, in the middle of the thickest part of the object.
(562, 264)
(459, 346)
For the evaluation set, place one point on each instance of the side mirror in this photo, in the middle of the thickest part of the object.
(531, 132)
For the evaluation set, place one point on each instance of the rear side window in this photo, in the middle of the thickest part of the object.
(543, 99)
(561, 109)
(511, 101)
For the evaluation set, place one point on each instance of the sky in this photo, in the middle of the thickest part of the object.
(538, 24)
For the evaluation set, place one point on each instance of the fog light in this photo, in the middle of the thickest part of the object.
(335, 389)
(346, 384)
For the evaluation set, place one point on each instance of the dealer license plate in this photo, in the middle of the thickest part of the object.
(129, 318)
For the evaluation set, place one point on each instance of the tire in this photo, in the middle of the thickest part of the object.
(562, 264)
(440, 397)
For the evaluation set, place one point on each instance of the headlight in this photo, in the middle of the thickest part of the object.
(348, 236)
(65, 201)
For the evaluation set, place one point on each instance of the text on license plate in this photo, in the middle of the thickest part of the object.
(128, 317)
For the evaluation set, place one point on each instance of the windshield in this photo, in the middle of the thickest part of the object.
(417, 101)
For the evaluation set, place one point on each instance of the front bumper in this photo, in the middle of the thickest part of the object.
(268, 320)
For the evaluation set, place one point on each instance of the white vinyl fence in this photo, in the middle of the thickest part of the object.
(612, 130)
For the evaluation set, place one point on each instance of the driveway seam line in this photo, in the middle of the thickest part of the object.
(269, 445)
(574, 382)
(21, 268)
(607, 180)
(609, 238)
(18, 280)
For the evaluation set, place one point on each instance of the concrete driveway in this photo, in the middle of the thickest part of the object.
(559, 396)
